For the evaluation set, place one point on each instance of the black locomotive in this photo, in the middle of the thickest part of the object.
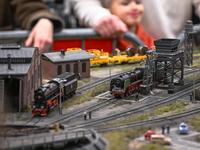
(47, 97)
(127, 83)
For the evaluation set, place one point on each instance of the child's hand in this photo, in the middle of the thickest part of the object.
(41, 35)
(110, 26)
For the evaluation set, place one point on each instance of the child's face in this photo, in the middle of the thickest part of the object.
(129, 11)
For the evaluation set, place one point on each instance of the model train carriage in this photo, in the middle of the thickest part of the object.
(47, 97)
(126, 84)
(70, 88)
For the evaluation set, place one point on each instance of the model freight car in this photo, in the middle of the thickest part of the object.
(46, 98)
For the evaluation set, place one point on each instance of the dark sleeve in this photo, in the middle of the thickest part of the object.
(28, 12)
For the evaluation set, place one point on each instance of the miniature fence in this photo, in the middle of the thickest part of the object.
(52, 139)
(35, 140)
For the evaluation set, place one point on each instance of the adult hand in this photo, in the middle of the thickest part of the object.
(41, 35)
(110, 26)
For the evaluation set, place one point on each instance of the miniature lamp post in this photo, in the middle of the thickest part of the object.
(153, 108)
(110, 69)
(193, 82)
(61, 86)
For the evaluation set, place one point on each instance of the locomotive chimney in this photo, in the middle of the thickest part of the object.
(9, 61)
(62, 52)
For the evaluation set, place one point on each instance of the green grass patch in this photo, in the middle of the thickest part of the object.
(88, 96)
(198, 138)
(196, 63)
(176, 107)
(97, 68)
(196, 49)
(102, 100)
(127, 120)
(26, 109)
(191, 78)
(19, 117)
(119, 140)
(153, 147)
(195, 122)
(85, 81)
(122, 103)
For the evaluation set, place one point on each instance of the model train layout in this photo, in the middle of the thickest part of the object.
(46, 98)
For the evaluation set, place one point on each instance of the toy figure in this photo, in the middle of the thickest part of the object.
(90, 114)
(168, 128)
(56, 127)
(79, 76)
(85, 115)
(163, 129)
(191, 95)
(137, 97)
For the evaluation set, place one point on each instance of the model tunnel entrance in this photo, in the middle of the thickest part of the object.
(11, 95)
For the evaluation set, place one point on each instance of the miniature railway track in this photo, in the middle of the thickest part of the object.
(104, 80)
(34, 120)
(149, 122)
(94, 107)
(98, 82)
(79, 113)
(24, 131)
(147, 106)
(70, 116)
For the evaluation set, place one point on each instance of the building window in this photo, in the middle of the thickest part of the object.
(59, 69)
(83, 67)
(67, 68)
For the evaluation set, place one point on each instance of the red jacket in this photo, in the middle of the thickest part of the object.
(146, 38)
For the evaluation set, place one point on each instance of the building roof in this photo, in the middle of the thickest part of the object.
(69, 56)
(23, 52)
(16, 68)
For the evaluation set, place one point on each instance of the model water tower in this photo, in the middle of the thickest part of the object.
(169, 61)
(189, 43)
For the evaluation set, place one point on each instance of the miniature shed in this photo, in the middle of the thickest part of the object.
(56, 63)
(20, 76)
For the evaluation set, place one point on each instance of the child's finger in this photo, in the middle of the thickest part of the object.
(29, 41)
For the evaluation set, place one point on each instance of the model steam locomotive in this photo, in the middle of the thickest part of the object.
(47, 97)
(126, 84)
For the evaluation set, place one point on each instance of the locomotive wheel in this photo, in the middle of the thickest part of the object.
(49, 108)
(130, 92)
(122, 95)
(66, 97)
(69, 95)
(62, 99)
